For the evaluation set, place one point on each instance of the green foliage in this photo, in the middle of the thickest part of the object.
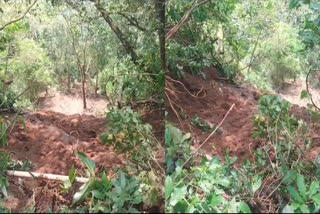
(127, 83)
(4, 165)
(305, 199)
(194, 46)
(310, 30)
(273, 116)
(130, 136)
(120, 195)
(3, 132)
(177, 148)
(202, 189)
(203, 125)
(198, 188)
(67, 185)
(202, 186)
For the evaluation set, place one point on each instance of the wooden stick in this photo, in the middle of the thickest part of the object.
(44, 176)
(225, 116)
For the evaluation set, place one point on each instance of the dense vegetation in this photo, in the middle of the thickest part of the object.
(265, 44)
(108, 49)
(137, 55)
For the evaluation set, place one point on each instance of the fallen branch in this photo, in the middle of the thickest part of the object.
(218, 126)
(22, 93)
(44, 176)
(174, 110)
(185, 88)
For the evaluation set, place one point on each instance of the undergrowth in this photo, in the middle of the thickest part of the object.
(279, 179)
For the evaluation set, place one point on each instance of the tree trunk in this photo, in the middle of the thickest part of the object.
(161, 10)
(97, 82)
(83, 72)
(117, 31)
(69, 82)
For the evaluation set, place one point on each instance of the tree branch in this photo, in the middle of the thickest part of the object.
(184, 19)
(307, 87)
(133, 22)
(18, 19)
(125, 43)
(218, 126)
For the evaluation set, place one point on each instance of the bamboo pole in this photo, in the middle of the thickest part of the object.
(44, 176)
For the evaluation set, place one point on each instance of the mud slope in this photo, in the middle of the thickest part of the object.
(214, 99)
(52, 139)
(51, 143)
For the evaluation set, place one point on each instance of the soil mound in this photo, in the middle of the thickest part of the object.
(213, 99)
(51, 143)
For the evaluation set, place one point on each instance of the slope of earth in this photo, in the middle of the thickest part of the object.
(212, 103)
(54, 135)
(210, 99)
(72, 103)
(292, 92)
(51, 143)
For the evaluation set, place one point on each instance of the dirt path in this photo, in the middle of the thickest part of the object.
(292, 93)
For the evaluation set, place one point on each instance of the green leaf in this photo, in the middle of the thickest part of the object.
(293, 4)
(288, 209)
(304, 94)
(294, 194)
(215, 201)
(177, 195)
(180, 207)
(302, 186)
(304, 208)
(104, 138)
(186, 137)
(290, 176)
(88, 162)
(4, 190)
(244, 207)
(23, 123)
(316, 199)
(257, 183)
(168, 187)
(72, 175)
(83, 191)
(314, 186)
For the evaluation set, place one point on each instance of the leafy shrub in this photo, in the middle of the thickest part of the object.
(198, 188)
(134, 139)
(178, 148)
(120, 195)
(278, 167)
(273, 116)
(129, 135)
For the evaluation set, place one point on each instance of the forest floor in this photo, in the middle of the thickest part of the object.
(70, 104)
(54, 134)
(214, 99)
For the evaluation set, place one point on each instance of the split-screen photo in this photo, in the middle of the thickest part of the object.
(159, 106)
